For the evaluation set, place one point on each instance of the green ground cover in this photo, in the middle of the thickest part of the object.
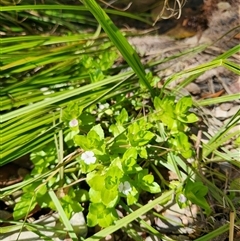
(76, 97)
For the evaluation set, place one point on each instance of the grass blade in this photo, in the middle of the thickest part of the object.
(119, 41)
(63, 216)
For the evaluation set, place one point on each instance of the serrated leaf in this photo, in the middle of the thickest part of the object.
(91, 220)
(45, 201)
(181, 144)
(152, 188)
(26, 204)
(157, 103)
(108, 219)
(145, 137)
(109, 197)
(140, 138)
(45, 156)
(130, 153)
(119, 145)
(96, 181)
(146, 182)
(70, 205)
(188, 118)
(87, 119)
(97, 209)
(98, 129)
(187, 154)
(94, 196)
(183, 105)
(113, 175)
(200, 201)
(148, 179)
(195, 192)
(31, 187)
(41, 191)
(93, 137)
(122, 117)
(143, 153)
(82, 142)
(133, 129)
(82, 195)
(69, 137)
(111, 182)
(116, 129)
(129, 163)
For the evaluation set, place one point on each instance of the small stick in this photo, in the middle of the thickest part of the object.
(231, 226)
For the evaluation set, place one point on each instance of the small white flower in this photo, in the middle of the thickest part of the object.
(88, 157)
(182, 198)
(103, 106)
(73, 123)
(125, 188)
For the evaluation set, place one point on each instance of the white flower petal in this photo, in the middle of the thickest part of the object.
(125, 188)
(101, 107)
(120, 187)
(88, 157)
(182, 198)
(73, 123)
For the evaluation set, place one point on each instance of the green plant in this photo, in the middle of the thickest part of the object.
(97, 135)
(113, 164)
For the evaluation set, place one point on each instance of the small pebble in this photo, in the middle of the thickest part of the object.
(226, 106)
(223, 6)
(79, 224)
(219, 113)
(193, 88)
(233, 111)
(172, 223)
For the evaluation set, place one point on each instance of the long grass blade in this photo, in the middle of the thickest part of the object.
(119, 41)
